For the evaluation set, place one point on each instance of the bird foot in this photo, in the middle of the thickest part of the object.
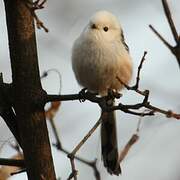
(113, 94)
(82, 95)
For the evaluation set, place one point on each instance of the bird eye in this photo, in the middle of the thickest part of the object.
(105, 28)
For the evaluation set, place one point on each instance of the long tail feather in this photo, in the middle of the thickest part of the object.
(109, 143)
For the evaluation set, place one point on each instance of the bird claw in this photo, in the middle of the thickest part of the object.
(113, 94)
(82, 95)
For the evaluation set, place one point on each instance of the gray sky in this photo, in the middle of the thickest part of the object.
(156, 155)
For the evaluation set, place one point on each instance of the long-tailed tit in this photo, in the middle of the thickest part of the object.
(99, 56)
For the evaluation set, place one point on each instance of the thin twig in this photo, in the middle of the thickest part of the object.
(16, 147)
(170, 20)
(126, 149)
(46, 73)
(50, 114)
(136, 86)
(145, 103)
(161, 38)
(39, 23)
(59, 146)
(18, 172)
(86, 137)
(138, 125)
(174, 49)
(71, 156)
(139, 71)
(96, 171)
(74, 171)
(33, 6)
(92, 164)
(124, 108)
(134, 138)
(39, 5)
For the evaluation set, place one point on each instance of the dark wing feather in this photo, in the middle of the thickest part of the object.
(123, 41)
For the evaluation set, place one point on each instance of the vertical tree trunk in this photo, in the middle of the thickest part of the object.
(27, 91)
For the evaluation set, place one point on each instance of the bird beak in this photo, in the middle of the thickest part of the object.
(93, 26)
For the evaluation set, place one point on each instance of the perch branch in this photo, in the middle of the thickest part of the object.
(102, 101)
(125, 108)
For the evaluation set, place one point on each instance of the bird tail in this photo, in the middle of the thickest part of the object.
(109, 146)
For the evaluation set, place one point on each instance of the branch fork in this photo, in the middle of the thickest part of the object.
(174, 49)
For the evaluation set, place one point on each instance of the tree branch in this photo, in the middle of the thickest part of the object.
(170, 20)
(27, 91)
(6, 111)
(101, 101)
(71, 156)
(161, 38)
(50, 114)
(12, 162)
(174, 49)
(127, 147)
(33, 6)
(136, 86)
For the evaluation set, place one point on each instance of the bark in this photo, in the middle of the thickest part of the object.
(27, 92)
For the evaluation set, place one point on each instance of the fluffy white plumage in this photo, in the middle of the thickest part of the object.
(100, 55)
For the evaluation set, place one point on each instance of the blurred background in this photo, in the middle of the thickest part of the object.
(156, 154)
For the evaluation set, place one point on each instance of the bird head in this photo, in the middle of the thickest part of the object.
(104, 25)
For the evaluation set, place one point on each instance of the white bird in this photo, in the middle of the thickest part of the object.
(99, 56)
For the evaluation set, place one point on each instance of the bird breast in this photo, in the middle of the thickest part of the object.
(97, 64)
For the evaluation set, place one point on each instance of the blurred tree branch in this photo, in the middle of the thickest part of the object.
(59, 146)
(10, 166)
(174, 49)
(50, 114)
(103, 103)
(6, 111)
(33, 6)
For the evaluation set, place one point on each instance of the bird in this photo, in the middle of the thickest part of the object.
(100, 59)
